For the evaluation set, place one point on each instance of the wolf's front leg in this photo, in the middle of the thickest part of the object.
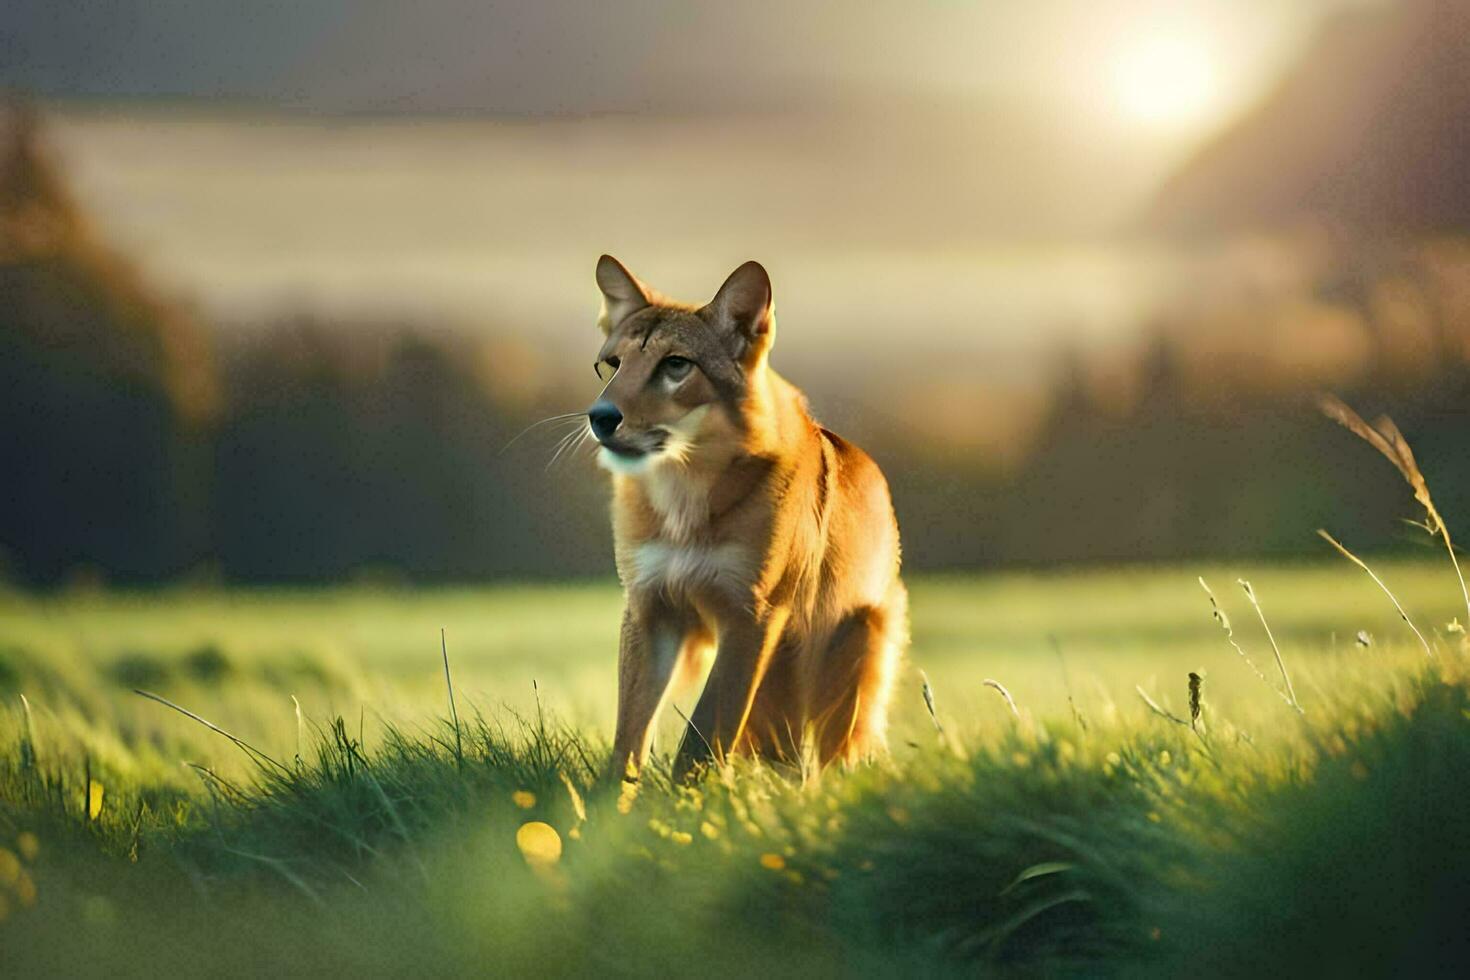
(744, 653)
(654, 636)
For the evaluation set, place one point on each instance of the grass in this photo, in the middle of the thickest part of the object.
(1073, 830)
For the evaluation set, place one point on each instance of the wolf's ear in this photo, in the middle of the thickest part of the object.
(743, 305)
(622, 293)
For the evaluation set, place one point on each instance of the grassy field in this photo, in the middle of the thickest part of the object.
(1082, 832)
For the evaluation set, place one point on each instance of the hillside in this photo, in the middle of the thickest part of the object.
(1365, 134)
(104, 387)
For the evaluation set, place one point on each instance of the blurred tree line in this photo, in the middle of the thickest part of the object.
(137, 445)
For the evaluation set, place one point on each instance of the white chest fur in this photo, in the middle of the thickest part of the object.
(682, 568)
(680, 499)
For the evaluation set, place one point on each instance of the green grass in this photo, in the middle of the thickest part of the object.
(1089, 835)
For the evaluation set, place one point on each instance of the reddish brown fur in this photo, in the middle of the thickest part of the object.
(743, 527)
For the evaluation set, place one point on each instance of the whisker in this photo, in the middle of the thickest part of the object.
(562, 428)
(537, 424)
(586, 441)
(561, 447)
(571, 444)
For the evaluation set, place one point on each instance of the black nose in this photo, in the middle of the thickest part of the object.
(605, 419)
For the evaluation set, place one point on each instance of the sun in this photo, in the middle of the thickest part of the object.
(1165, 80)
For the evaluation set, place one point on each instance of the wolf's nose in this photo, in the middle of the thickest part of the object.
(605, 419)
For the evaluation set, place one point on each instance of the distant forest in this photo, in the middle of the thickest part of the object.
(139, 445)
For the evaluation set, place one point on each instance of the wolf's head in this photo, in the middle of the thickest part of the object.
(682, 377)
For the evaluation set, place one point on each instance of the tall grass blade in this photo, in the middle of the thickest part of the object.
(1342, 550)
(245, 746)
(453, 711)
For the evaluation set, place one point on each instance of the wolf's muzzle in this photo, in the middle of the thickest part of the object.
(604, 418)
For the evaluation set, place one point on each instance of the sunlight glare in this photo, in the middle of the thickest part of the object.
(1165, 80)
(539, 844)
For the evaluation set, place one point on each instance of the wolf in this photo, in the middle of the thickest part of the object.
(750, 541)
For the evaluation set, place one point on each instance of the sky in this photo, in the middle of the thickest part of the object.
(956, 163)
(568, 56)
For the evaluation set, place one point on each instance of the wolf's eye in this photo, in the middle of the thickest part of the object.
(676, 368)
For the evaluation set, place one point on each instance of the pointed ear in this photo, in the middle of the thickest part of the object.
(743, 305)
(622, 293)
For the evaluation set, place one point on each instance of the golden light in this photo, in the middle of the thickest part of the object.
(539, 844)
(1165, 80)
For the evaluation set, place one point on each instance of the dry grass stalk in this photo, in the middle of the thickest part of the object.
(28, 745)
(1010, 701)
(1196, 685)
(1379, 582)
(1219, 616)
(1162, 712)
(1250, 594)
(929, 703)
(300, 726)
(1385, 437)
(1056, 647)
(1194, 710)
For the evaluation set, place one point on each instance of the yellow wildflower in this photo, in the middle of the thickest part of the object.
(25, 889)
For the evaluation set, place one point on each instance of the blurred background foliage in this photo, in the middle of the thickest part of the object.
(1316, 239)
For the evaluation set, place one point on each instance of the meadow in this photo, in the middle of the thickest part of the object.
(351, 821)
